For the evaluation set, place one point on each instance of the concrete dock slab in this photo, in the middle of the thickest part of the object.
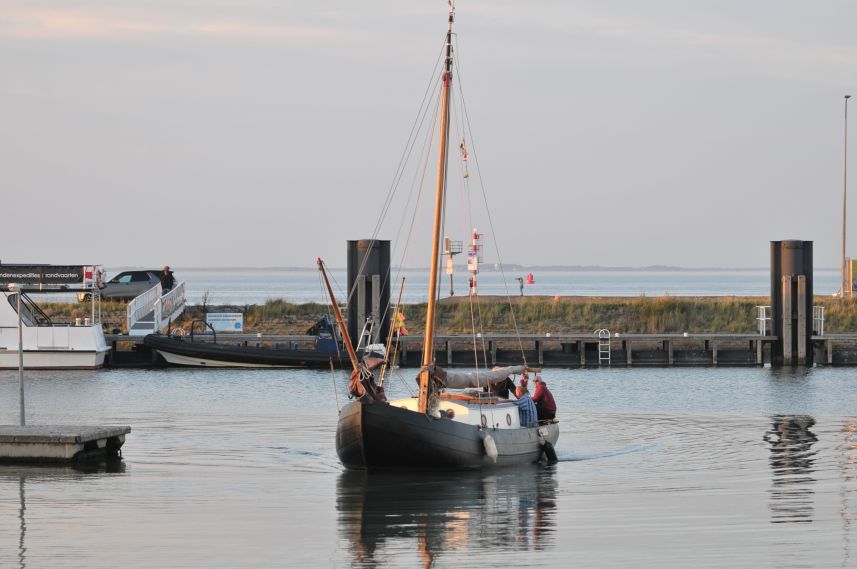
(60, 443)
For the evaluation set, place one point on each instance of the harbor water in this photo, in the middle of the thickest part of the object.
(705, 467)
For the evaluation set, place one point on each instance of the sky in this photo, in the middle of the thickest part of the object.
(204, 133)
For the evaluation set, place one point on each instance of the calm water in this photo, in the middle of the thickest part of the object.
(659, 468)
(257, 286)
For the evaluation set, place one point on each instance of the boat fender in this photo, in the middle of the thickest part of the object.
(550, 453)
(490, 447)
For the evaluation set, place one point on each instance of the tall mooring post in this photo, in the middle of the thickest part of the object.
(791, 302)
(368, 288)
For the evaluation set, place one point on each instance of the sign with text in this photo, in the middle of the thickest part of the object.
(226, 321)
(42, 274)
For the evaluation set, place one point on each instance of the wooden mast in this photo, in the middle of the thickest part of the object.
(343, 329)
(428, 346)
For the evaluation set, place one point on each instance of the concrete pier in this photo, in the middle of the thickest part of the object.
(52, 443)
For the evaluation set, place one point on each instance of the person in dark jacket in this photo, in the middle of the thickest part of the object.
(502, 388)
(543, 398)
(167, 279)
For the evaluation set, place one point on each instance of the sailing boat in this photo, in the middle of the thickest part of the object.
(453, 422)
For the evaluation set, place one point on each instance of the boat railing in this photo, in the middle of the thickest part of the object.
(204, 325)
(38, 315)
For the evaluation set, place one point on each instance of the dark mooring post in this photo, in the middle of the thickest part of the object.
(791, 302)
(368, 288)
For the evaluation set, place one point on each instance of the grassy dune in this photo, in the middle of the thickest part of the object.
(532, 314)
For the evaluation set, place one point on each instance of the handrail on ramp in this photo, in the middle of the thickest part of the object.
(152, 310)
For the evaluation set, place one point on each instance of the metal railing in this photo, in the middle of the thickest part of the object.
(818, 320)
(173, 300)
(153, 303)
(161, 308)
(142, 305)
(763, 317)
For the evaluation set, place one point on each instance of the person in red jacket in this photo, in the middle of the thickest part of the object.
(543, 398)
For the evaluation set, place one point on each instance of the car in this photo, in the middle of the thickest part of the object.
(126, 285)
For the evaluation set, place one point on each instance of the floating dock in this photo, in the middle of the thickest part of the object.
(548, 350)
(52, 443)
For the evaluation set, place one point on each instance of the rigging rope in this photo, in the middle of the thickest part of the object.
(400, 169)
(487, 209)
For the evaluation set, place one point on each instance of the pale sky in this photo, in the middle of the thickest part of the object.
(266, 133)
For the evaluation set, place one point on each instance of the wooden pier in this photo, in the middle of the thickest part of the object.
(549, 350)
(588, 350)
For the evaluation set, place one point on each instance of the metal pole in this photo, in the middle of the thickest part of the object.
(20, 362)
(845, 284)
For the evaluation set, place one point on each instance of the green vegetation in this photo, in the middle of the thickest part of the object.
(533, 314)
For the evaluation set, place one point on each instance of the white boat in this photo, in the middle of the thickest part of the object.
(48, 344)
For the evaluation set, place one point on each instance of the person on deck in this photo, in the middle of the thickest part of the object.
(543, 398)
(526, 407)
(167, 279)
(502, 388)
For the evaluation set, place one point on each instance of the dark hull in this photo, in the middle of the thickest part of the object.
(382, 436)
(225, 355)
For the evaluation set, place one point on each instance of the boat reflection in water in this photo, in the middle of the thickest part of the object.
(37, 474)
(792, 465)
(381, 514)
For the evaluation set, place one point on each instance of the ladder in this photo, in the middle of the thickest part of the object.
(368, 335)
(603, 346)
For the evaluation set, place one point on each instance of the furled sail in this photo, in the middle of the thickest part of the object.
(452, 379)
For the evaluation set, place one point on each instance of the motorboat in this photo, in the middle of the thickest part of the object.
(205, 350)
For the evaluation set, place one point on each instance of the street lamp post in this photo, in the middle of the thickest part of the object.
(846, 289)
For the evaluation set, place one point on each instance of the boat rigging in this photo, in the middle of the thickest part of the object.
(458, 418)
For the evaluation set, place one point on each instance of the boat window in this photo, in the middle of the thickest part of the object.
(122, 278)
(26, 314)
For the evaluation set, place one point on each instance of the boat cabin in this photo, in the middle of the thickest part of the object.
(48, 343)
(472, 407)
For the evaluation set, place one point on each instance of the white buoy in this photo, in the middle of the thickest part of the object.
(490, 447)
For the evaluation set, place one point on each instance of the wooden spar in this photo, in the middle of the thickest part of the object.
(428, 346)
(339, 320)
(388, 357)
